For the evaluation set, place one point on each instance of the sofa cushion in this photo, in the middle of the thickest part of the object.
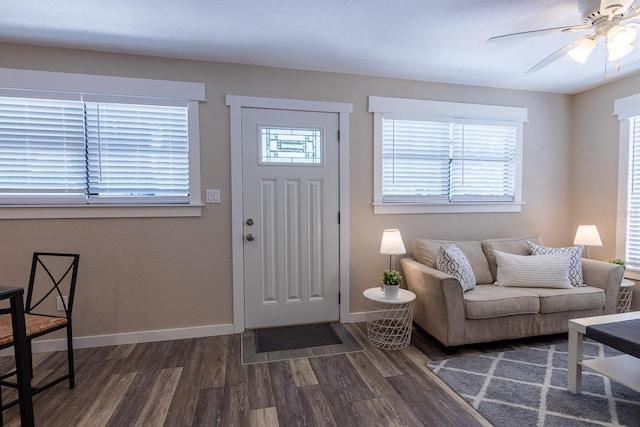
(451, 260)
(425, 251)
(548, 271)
(512, 245)
(560, 300)
(575, 265)
(487, 301)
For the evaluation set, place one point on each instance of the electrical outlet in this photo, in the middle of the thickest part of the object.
(59, 302)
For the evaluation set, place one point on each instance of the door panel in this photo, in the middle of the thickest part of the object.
(291, 194)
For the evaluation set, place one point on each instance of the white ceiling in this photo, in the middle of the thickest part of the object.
(434, 40)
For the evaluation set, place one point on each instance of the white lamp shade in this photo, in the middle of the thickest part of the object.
(391, 243)
(619, 52)
(581, 52)
(587, 235)
(620, 36)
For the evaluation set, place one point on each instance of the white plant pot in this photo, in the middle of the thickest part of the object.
(391, 291)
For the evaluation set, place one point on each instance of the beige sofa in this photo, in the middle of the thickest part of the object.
(491, 313)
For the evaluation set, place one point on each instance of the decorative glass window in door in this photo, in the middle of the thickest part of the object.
(280, 145)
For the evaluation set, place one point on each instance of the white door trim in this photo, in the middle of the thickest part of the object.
(236, 103)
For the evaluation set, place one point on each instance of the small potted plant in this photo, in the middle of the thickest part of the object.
(618, 261)
(391, 280)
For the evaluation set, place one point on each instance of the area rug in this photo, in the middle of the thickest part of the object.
(528, 387)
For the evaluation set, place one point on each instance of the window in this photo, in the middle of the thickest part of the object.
(446, 157)
(76, 149)
(75, 152)
(292, 146)
(632, 241)
(628, 212)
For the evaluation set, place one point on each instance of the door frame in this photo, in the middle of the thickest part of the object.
(236, 104)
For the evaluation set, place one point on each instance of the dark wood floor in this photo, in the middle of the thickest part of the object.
(202, 382)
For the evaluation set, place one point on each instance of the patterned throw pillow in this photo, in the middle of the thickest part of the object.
(575, 265)
(451, 260)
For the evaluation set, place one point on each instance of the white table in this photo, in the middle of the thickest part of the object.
(624, 369)
(624, 295)
(389, 320)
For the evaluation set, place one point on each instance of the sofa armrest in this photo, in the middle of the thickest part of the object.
(439, 305)
(604, 275)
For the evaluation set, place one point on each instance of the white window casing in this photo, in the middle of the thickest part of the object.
(628, 207)
(440, 157)
(102, 146)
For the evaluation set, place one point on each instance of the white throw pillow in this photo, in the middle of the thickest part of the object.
(575, 266)
(541, 271)
(451, 260)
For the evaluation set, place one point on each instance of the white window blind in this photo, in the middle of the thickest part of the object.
(483, 162)
(42, 151)
(137, 152)
(415, 160)
(632, 245)
(448, 161)
(59, 152)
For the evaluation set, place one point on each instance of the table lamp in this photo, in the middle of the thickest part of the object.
(587, 235)
(392, 244)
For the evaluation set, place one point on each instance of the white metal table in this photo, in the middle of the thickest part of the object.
(624, 296)
(389, 320)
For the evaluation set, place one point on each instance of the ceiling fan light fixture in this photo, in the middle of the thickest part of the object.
(581, 52)
(621, 36)
(619, 52)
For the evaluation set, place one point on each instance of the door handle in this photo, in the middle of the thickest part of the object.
(250, 237)
(250, 221)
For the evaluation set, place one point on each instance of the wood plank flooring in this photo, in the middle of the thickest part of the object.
(202, 382)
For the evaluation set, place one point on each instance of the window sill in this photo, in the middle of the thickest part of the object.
(632, 273)
(98, 211)
(421, 208)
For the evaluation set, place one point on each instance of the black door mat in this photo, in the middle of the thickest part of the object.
(297, 336)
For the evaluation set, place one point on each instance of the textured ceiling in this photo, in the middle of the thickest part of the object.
(434, 40)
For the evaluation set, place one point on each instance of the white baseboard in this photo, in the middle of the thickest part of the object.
(357, 317)
(43, 346)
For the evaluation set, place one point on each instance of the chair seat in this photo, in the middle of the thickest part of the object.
(34, 325)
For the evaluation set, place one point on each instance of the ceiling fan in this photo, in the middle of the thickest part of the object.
(611, 20)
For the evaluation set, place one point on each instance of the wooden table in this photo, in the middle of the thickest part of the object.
(624, 369)
(14, 295)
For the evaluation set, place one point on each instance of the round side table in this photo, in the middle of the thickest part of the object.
(389, 320)
(624, 295)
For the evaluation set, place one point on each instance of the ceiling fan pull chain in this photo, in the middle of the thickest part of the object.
(604, 77)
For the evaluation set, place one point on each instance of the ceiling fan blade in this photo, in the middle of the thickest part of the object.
(542, 32)
(556, 55)
(635, 14)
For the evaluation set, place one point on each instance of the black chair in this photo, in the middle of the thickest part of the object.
(52, 275)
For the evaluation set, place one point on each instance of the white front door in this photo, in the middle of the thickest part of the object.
(291, 219)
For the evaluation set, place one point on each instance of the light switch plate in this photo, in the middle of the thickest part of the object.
(213, 196)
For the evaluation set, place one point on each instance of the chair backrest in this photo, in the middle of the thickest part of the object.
(52, 275)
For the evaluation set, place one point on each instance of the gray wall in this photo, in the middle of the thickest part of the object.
(594, 163)
(159, 273)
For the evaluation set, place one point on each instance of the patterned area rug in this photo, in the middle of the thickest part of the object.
(528, 387)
